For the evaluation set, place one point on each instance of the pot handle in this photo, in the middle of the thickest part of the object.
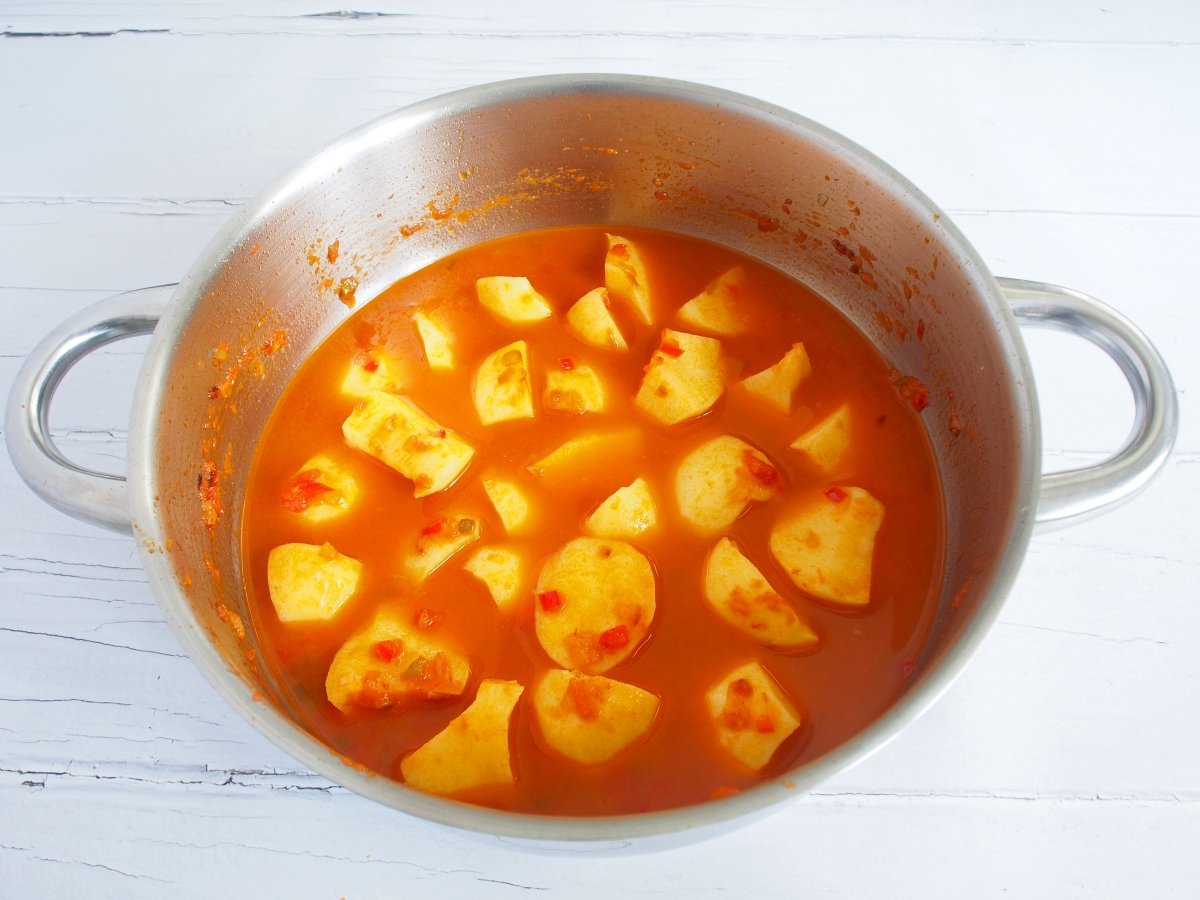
(95, 497)
(1068, 497)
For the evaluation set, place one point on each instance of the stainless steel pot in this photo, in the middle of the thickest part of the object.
(493, 160)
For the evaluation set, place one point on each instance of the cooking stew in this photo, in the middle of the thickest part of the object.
(588, 523)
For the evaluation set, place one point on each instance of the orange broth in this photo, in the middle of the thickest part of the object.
(863, 658)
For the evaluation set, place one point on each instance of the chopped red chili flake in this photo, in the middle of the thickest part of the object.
(550, 601)
(433, 527)
(370, 364)
(303, 489)
(836, 494)
(764, 725)
(441, 432)
(914, 391)
(742, 687)
(619, 250)
(214, 392)
(386, 651)
(670, 348)
(763, 473)
(724, 790)
(427, 618)
(566, 363)
(615, 637)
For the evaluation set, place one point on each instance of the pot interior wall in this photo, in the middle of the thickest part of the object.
(436, 178)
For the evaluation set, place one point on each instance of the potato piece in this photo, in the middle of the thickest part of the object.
(752, 715)
(776, 385)
(509, 501)
(611, 447)
(683, 378)
(500, 569)
(396, 432)
(577, 390)
(739, 593)
(590, 321)
(594, 604)
(372, 370)
(718, 480)
(438, 541)
(472, 751)
(626, 513)
(625, 277)
(827, 442)
(310, 583)
(512, 299)
(321, 489)
(502, 390)
(827, 545)
(434, 341)
(719, 308)
(590, 718)
(390, 662)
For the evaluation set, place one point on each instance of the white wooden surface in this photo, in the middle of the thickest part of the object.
(1061, 136)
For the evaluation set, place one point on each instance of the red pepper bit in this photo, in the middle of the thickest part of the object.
(615, 638)
(914, 391)
(303, 489)
(433, 527)
(670, 348)
(836, 494)
(619, 250)
(742, 687)
(724, 790)
(566, 363)
(907, 668)
(441, 433)
(550, 600)
(386, 651)
(764, 725)
(427, 618)
(763, 473)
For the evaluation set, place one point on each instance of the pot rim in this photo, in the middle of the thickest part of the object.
(286, 735)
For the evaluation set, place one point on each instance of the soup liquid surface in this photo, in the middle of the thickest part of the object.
(863, 657)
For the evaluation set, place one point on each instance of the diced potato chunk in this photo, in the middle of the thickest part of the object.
(610, 447)
(502, 390)
(310, 583)
(752, 715)
(739, 593)
(827, 544)
(372, 370)
(594, 604)
(625, 277)
(321, 489)
(438, 541)
(590, 321)
(398, 433)
(390, 662)
(720, 307)
(473, 750)
(590, 718)
(577, 390)
(435, 342)
(718, 480)
(776, 385)
(512, 298)
(626, 513)
(500, 569)
(827, 442)
(683, 378)
(509, 500)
